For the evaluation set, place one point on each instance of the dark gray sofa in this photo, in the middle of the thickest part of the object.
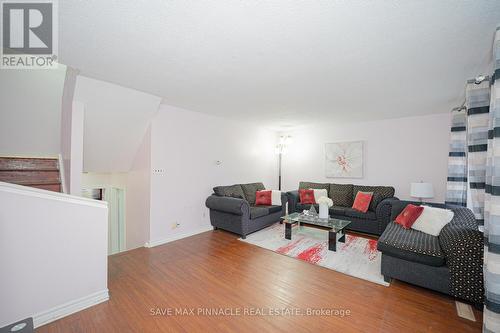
(373, 221)
(232, 208)
(450, 263)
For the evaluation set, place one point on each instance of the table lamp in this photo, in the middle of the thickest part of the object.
(422, 191)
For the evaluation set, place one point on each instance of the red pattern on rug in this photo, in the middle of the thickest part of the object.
(289, 247)
(357, 257)
(371, 249)
(349, 240)
(312, 254)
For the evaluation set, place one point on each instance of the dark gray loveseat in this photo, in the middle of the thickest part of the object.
(373, 221)
(232, 208)
(451, 263)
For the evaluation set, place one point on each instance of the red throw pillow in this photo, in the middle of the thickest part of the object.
(362, 201)
(307, 197)
(263, 198)
(409, 215)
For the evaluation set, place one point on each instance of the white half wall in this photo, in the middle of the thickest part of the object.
(185, 148)
(396, 152)
(53, 254)
(116, 120)
(30, 111)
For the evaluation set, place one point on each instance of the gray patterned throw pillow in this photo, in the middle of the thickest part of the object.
(234, 191)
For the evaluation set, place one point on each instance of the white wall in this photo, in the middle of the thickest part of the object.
(139, 196)
(68, 133)
(30, 111)
(186, 145)
(396, 152)
(114, 179)
(53, 254)
(76, 149)
(136, 184)
(116, 119)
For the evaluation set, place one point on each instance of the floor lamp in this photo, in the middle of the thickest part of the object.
(281, 149)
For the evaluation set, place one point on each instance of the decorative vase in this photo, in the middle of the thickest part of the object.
(323, 211)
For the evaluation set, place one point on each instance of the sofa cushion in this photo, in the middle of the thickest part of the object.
(259, 211)
(412, 245)
(319, 193)
(409, 215)
(337, 210)
(432, 220)
(234, 191)
(360, 215)
(306, 197)
(309, 185)
(341, 194)
(250, 189)
(379, 193)
(273, 209)
(300, 207)
(399, 205)
(268, 198)
(362, 201)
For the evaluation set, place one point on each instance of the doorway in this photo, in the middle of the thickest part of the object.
(115, 197)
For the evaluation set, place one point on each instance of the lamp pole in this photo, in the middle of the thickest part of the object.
(280, 150)
(279, 170)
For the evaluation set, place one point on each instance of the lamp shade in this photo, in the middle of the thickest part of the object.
(422, 190)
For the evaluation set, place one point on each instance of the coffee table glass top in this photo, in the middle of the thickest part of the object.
(335, 224)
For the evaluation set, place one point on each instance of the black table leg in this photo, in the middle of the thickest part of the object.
(288, 231)
(332, 241)
(342, 239)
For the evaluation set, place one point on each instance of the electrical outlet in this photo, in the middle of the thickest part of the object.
(175, 225)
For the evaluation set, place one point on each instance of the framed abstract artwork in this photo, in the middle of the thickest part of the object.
(344, 159)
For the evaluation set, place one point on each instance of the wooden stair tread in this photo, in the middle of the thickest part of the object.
(32, 183)
(48, 187)
(30, 177)
(37, 172)
(24, 163)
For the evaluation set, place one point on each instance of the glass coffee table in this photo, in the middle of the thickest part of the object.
(334, 226)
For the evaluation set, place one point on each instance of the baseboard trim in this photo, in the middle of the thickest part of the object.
(177, 237)
(68, 308)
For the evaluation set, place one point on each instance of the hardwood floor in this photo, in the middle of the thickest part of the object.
(215, 270)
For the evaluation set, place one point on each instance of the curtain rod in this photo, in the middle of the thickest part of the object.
(476, 80)
(459, 108)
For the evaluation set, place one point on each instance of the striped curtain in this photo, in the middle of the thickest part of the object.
(477, 101)
(491, 319)
(456, 186)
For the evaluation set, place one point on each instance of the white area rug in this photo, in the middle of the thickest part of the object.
(357, 257)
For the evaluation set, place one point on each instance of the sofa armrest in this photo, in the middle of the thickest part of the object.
(463, 245)
(284, 201)
(230, 205)
(293, 199)
(383, 211)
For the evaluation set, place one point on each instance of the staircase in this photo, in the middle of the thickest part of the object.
(41, 173)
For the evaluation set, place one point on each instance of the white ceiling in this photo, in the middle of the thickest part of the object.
(284, 62)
